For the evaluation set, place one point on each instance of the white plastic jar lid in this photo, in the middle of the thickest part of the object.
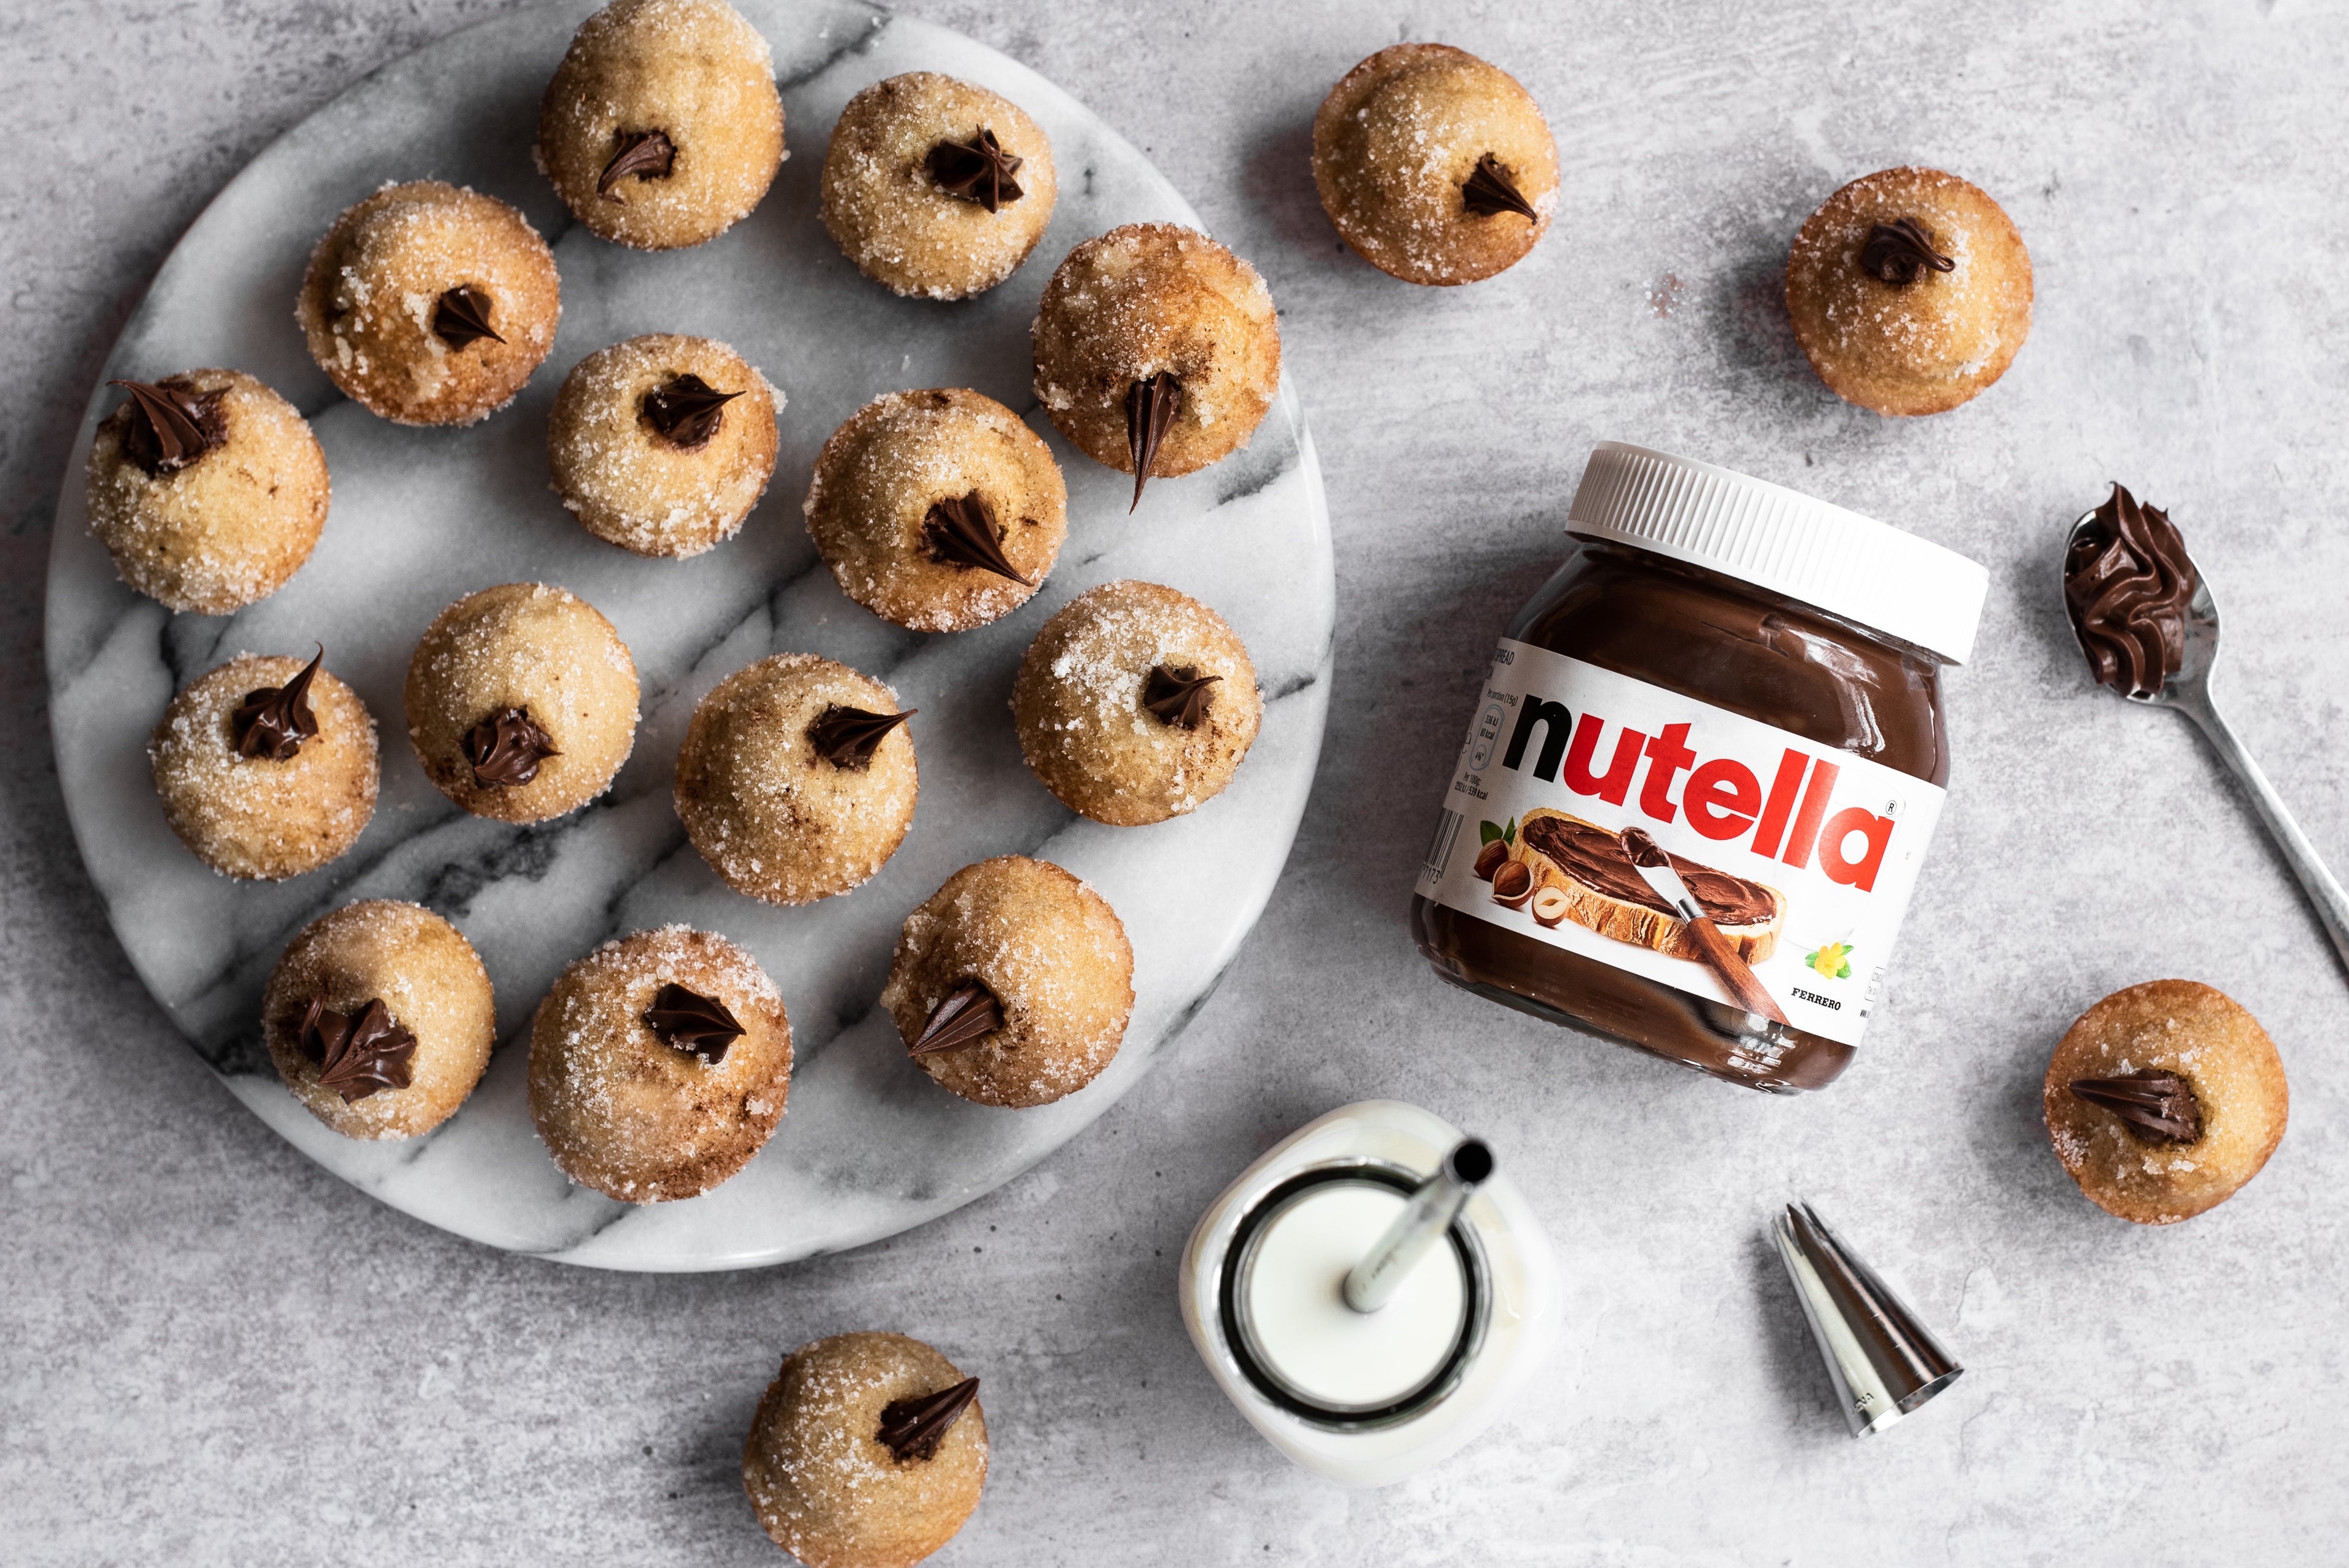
(1781, 540)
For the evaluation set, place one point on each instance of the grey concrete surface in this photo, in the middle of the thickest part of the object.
(211, 1351)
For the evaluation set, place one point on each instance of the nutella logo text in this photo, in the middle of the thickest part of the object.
(1793, 838)
(1722, 798)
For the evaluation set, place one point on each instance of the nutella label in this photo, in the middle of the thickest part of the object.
(1801, 855)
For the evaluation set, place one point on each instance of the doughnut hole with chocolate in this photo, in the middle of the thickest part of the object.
(1157, 351)
(936, 187)
(663, 444)
(1136, 703)
(660, 1064)
(266, 767)
(662, 127)
(1909, 291)
(1012, 985)
(796, 780)
(207, 489)
(2163, 1100)
(429, 305)
(379, 1018)
(521, 703)
(937, 510)
(869, 1450)
(1434, 166)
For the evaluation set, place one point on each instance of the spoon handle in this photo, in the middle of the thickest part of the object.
(2323, 887)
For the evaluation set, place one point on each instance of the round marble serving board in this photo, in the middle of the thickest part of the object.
(870, 1146)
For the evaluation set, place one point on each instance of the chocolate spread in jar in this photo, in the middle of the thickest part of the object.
(1835, 689)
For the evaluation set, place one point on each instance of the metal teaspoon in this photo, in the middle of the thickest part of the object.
(2189, 691)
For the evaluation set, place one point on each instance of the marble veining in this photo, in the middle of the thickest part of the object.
(869, 1145)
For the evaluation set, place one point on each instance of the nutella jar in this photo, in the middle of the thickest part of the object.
(1702, 773)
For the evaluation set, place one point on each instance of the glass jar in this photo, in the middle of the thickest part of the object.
(1749, 681)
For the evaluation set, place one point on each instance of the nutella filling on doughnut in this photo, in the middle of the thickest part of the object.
(690, 1021)
(978, 170)
(913, 1428)
(1900, 252)
(461, 316)
(2156, 1106)
(272, 722)
(643, 155)
(170, 426)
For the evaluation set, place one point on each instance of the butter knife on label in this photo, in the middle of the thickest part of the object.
(1719, 954)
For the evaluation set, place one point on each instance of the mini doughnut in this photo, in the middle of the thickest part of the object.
(796, 780)
(1433, 166)
(2163, 1100)
(1909, 291)
(868, 1451)
(266, 767)
(1012, 985)
(663, 444)
(430, 304)
(207, 489)
(379, 1018)
(662, 127)
(1157, 350)
(937, 510)
(660, 1064)
(521, 703)
(936, 187)
(1135, 703)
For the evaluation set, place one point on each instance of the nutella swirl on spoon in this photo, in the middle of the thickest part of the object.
(2130, 585)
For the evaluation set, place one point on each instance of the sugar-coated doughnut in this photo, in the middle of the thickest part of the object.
(2164, 1099)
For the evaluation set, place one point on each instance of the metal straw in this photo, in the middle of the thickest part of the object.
(1423, 1223)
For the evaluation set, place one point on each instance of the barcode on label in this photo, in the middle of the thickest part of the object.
(1439, 849)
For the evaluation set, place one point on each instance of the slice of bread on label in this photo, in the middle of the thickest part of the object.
(1629, 920)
